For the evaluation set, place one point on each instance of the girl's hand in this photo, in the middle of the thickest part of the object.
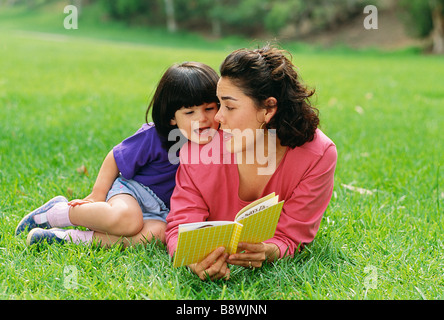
(214, 266)
(78, 202)
(89, 199)
(253, 254)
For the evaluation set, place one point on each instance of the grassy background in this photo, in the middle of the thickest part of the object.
(68, 96)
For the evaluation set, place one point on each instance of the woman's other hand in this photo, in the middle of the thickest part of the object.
(253, 255)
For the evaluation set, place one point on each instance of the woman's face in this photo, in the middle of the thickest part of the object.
(238, 116)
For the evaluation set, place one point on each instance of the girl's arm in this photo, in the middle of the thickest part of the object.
(107, 174)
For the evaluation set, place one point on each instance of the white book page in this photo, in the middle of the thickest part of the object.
(259, 207)
(204, 224)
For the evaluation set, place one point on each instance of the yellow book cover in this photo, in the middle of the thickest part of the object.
(254, 223)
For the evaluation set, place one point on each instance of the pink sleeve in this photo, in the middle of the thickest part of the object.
(187, 205)
(302, 213)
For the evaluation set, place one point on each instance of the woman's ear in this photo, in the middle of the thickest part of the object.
(271, 108)
(173, 122)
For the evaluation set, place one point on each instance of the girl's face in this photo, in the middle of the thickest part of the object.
(197, 123)
(238, 116)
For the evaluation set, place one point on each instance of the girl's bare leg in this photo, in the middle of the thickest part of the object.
(152, 230)
(121, 215)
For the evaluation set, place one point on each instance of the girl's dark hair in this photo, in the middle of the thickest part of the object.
(267, 72)
(183, 85)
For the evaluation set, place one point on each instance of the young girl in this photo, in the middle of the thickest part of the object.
(131, 196)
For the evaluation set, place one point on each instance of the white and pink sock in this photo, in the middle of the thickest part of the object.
(77, 236)
(57, 216)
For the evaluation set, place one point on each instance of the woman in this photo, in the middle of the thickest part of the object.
(260, 92)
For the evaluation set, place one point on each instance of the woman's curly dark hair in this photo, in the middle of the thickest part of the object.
(267, 72)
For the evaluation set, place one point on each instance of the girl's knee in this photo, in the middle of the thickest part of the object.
(126, 217)
(125, 223)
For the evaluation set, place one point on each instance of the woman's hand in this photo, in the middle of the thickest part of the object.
(214, 266)
(252, 255)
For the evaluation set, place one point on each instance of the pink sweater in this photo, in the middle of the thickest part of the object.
(209, 191)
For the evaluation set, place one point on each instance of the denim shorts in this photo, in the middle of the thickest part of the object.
(152, 207)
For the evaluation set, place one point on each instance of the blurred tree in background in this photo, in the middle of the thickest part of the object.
(247, 17)
(294, 18)
(280, 18)
(425, 18)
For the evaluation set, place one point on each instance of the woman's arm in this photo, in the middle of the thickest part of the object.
(300, 217)
(303, 211)
(187, 205)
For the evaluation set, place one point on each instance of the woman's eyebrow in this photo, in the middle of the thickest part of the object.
(228, 98)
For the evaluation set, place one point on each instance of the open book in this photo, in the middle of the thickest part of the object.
(254, 223)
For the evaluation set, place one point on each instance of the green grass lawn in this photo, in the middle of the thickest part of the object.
(67, 98)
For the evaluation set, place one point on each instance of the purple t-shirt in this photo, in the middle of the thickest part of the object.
(142, 158)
